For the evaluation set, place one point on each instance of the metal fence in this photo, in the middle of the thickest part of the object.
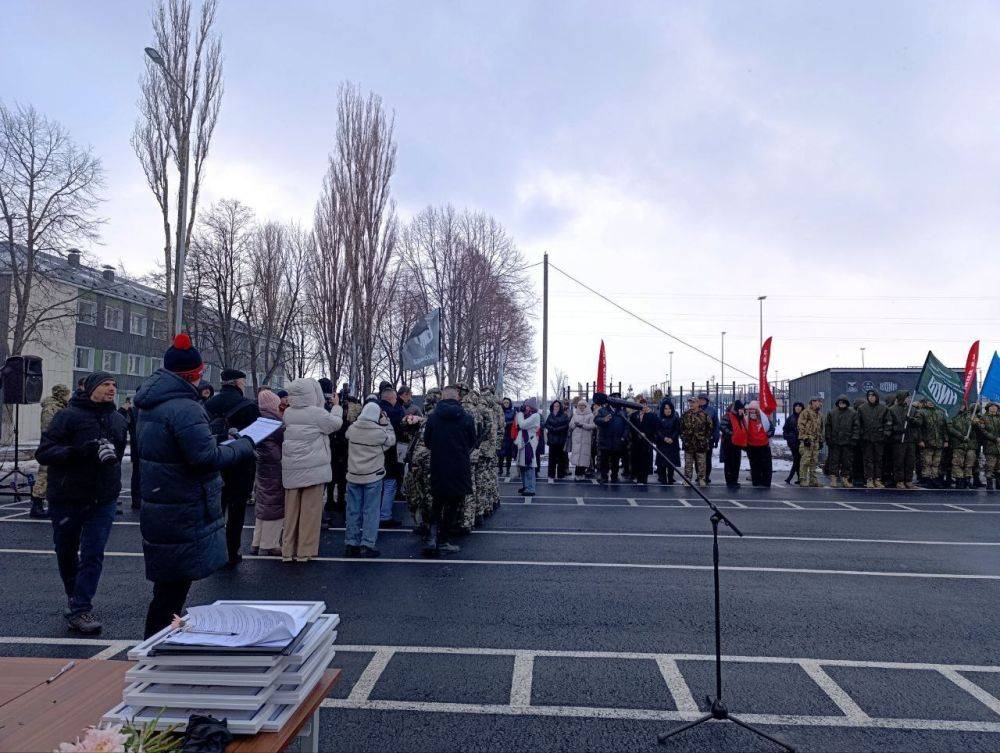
(720, 394)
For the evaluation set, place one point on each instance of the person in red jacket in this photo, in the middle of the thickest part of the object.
(734, 442)
(759, 432)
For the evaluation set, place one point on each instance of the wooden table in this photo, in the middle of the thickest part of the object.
(37, 716)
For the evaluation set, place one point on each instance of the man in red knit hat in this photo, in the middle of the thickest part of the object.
(181, 520)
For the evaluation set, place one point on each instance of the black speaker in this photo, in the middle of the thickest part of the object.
(22, 380)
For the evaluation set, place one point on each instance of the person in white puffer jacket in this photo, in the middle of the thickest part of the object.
(305, 467)
(368, 439)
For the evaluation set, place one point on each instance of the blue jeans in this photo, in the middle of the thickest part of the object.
(80, 533)
(363, 501)
(528, 478)
(388, 497)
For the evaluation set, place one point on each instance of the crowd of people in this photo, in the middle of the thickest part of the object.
(334, 455)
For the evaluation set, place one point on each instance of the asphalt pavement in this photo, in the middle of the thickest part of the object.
(582, 620)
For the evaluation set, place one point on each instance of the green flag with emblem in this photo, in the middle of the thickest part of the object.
(940, 384)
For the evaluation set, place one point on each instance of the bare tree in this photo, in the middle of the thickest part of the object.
(178, 109)
(303, 352)
(49, 191)
(219, 275)
(328, 289)
(558, 384)
(360, 169)
(272, 299)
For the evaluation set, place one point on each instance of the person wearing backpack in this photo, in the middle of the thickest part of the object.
(230, 409)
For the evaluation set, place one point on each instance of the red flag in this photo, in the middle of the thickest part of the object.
(971, 364)
(768, 404)
(602, 370)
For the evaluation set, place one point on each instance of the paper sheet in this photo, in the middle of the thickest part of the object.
(259, 430)
(237, 626)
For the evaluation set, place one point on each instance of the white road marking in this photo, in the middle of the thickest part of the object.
(685, 506)
(590, 712)
(676, 684)
(366, 682)
(17, 515)
(579, 501)
(790, 504)
(632, 502)
(836, 693)
(981, 695)
(520, 684)
(594, 565)
(114, 649)
(958, 507)
(737, 504)
(904, 507)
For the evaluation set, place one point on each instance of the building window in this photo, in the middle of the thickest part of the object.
(113, 318)
(134, 365)
(84, 359)
(86, 312)
(154, 364)
(137, 324)
(112, 362)
(159, 329)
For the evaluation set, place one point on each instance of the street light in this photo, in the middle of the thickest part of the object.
(762, 298)
(670, 378)
(862, 357)
(182, 169)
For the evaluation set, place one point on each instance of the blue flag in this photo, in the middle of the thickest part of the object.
(991, 385)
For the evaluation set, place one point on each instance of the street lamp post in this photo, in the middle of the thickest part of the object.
(762, 298)
(182, 167)
(862, 357)
(670, 377)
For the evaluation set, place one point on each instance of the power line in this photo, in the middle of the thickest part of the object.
(647, 322)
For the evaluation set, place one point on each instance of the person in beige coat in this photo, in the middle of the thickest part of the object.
(581, 425)
(305, 467)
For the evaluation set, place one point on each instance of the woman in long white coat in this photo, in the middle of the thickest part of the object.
(305, 467)
(528, 421)
(582, 428)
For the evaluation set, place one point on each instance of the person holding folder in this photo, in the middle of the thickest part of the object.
(181, 519)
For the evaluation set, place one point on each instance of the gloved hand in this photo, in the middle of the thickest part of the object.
(234, 434)
(91, 448)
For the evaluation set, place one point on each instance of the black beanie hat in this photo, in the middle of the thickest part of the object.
(231, 375)
(94, 381)
(182, 357)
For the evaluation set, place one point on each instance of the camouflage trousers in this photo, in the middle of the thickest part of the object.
(695, 461)
(872, 453)
(418, 487)
(963, 463)
(487, 487)
(41, 482)
(807, 464)
(470, 505)
(992, 466)
(931, 461)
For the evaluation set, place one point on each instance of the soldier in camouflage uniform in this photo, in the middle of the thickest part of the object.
(470, 507)
(696, 439)
(418, 477)
(486, 477)
(963, 438)
(493, 402)
(810, 441)
(51, 405)
(933, 438)
(990, 432)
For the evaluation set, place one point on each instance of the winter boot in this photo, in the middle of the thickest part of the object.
(834, 482)
(430, 546)
(900, 485)
(848, 484)
(869, 484)
(37, 509)
(85, 624)
(879, 484)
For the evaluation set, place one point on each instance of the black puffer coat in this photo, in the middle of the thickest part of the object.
(69, 448)
(450, 435)
(557, 426)
(181, 517)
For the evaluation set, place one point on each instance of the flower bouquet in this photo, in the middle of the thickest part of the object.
(125, 738)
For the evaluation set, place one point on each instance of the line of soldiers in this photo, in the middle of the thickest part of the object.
(485, 409)
(888, 443)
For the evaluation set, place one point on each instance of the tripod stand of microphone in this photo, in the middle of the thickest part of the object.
(718, 709)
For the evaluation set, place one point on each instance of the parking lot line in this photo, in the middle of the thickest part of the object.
(453, 562)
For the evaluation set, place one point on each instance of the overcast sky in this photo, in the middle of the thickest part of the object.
(683, 158)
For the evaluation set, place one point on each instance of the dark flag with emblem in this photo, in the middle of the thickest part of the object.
(942, 385)
(423, 345)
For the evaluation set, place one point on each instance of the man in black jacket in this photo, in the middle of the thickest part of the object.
(450, 435)
(230, 409)
(389, 402)
(83, 449)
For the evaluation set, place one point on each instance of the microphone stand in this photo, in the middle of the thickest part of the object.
(719, 711)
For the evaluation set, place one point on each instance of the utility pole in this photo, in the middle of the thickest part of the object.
(722, 360)
(862, 357)
(761, 298)
(545, 331)
(670, 378)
